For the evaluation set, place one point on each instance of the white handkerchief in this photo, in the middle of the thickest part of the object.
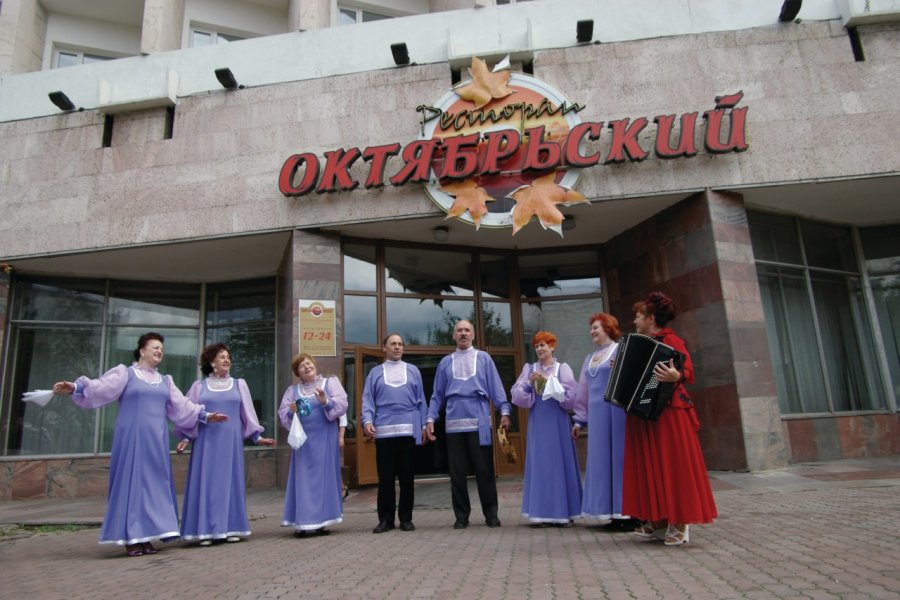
(39, 397)
(554, 389)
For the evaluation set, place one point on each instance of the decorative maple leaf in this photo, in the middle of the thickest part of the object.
(485, 85)
(467, 197)
(539, 200)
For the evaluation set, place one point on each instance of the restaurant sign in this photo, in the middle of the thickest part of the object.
(504, 148)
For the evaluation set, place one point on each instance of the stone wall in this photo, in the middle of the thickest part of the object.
(698, 252)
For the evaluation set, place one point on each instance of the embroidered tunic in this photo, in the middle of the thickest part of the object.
(401, 408)
(551, 491)
(467, 382)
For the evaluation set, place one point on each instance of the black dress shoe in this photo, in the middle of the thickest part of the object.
(384, 526)
(492, 522)
(461, 524)
(407, 526)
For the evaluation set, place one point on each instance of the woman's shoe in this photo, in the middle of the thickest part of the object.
(134, 550)
(648, 530)
(676, 536)
(149, 549)
(232, 539)
(206, 543)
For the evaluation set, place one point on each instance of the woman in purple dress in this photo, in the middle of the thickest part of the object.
(551, 493)
(313, 496)
(141, 499)
(215, 506)
(606, 424)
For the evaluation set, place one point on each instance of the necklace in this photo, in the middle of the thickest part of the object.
(140, 375)
(598, 359)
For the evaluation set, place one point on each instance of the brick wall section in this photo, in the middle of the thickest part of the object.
(698, 252)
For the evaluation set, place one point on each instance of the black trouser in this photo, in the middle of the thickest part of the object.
(464, 449)
(394, 459)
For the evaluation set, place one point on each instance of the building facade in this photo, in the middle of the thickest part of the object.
(211, 170)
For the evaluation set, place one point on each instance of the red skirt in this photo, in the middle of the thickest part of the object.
(665, 475)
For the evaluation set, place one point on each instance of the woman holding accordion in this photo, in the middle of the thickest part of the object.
(665, 482)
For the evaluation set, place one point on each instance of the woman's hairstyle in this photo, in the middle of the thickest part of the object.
(657, 304)
(609, 323)
(546, 337)
(209, 354)
(299, 359)
(144, 340)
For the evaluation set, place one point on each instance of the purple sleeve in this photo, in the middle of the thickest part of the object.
(437, 393)
(180, 410)
(337, 399)
(251, 427)
(420, 399)
(94, 393)
(189, 433)
(284, 409)
(567, 379)
(522, 393)
(581, 395)
(495, 385)
(368, 397)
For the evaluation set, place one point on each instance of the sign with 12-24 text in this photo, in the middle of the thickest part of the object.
(317, 327)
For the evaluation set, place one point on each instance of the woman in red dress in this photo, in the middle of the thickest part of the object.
(665, 481)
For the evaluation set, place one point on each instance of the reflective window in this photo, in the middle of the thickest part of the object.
(568, 321)
(240, 302)
(497, 322)
(881, 248)
(559, 274)
(359, 268)
(360, 320)
(43, 355)
(827, 246)
(58, 331)
(432, 272)
(494, 273)
(819, 329)
(427, 322)
(774, 238)
(154, 304)
(59, 300)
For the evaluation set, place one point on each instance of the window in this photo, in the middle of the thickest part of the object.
(62, 328)
(348, 15)
(70, 58)
(881, 248)
(817, 324)
(210, 37)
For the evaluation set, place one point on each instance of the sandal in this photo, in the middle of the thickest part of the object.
(149, 549)
(134, 550)
(649, 530)
(676, 536)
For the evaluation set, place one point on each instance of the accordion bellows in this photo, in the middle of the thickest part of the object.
(633, 385)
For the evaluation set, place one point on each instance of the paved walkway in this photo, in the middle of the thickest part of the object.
(824, 530)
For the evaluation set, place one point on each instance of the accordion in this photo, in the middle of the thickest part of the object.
(633, 386)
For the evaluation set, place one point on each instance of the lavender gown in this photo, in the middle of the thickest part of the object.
(141, 505)
(215, 504)
(551, 492)
(606, 442)
(313, 498)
